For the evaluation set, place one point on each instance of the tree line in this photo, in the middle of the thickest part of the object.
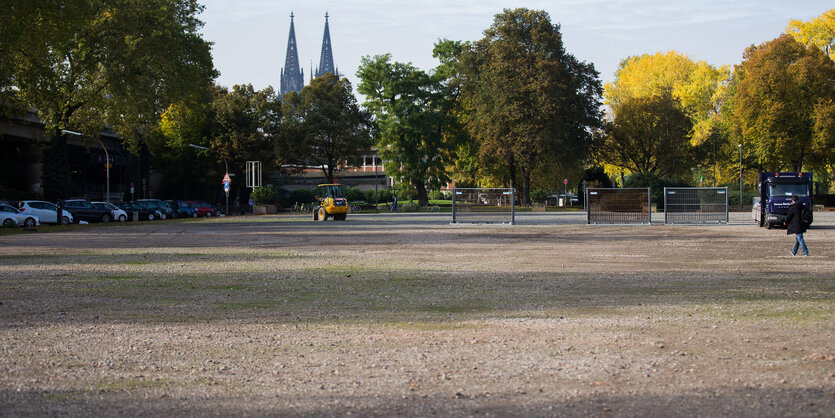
(512, 109)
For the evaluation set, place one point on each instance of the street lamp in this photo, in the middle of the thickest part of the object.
(227, 172)
(106, 163)
(376, 196)
(740, 176)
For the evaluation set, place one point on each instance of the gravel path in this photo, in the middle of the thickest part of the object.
(405, 315)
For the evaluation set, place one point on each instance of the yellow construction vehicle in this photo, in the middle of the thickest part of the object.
(330, 203)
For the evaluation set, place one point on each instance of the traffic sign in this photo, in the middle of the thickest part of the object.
(565, 181)
(226, 186)
(227, 179)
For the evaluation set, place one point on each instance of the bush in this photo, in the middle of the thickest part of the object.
(539, 195)
(265, 195)
(302, 196)
(354, 194)
(408, 206)
(439, 195)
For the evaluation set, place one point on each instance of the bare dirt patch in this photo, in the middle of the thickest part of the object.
(278, 315)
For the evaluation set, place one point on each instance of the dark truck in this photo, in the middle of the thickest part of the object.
(775, 196)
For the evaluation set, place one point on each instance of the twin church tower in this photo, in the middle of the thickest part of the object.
(292, 76)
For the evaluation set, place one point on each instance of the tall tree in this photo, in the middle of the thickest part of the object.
(85, 64)
(526, 97)
(697, 88)
(649, 135)
(414, 114)
(819, 31)
(323, 126)
(782, 94)
(244, 123)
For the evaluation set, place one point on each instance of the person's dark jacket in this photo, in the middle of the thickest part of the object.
(794, 220)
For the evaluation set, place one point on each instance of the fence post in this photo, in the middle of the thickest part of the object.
(453, 205)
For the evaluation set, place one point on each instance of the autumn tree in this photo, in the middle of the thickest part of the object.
(526, 98)
(696, 88)
(417, 128)
(324, 125)
(85, 64)
(819, 32)
(782, 103)
(646, 136)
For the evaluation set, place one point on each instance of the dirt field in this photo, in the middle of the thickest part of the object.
(409, 316)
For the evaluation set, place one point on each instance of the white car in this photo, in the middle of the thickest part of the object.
(47, 212)
(26, 219)
(118, 214)
(8, 219)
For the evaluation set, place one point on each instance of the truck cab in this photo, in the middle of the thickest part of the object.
(775, 196)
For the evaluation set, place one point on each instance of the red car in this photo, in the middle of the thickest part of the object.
(202, 209)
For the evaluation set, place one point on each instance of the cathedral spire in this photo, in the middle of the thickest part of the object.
(292, 76)
(326, 58)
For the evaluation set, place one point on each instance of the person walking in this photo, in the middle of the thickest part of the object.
(795, 225)
(251, 205)
(394, 202)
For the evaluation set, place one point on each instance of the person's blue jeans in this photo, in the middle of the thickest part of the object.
(800, 242)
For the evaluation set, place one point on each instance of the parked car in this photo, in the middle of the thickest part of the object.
(164, 210)
(8, 219)
(203, 209)
(118, 214)
(47, 212)
(143, 212)
(218, 210)
(182, 209)
(83, 210)
(26, 219)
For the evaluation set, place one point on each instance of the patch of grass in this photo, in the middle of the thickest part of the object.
(455, 308)
(134, 383)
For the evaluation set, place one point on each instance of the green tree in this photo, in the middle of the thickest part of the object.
(86, 64)
(782, 96)
(323, 126)
(649, 135)
(413, 111)
(819, 32)
(244, 124)
(526, 97)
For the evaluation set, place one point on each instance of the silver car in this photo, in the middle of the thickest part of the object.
(47, 212)
(26, 219)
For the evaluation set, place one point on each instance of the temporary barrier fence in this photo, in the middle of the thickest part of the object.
(689, 205)
(483, 205)
(618, 206)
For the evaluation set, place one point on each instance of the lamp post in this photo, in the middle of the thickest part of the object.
(376, 195)
(106, 162)
(227, 172)
(740, 176)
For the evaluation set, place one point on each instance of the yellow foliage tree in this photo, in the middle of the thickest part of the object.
(698, 87)
(819, 31)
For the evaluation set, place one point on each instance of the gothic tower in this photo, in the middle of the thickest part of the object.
(326, 57)
(292, 76)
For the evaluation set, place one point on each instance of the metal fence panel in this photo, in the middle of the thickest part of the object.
(618, 206)
(483, 205)
(683, 205)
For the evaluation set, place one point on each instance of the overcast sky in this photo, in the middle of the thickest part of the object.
(250, 36)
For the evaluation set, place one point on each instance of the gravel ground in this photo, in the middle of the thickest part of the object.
(406, 315)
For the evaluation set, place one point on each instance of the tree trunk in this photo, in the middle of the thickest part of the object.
(526, 187)
(798, 164)
(56, 179)
(423, 198)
